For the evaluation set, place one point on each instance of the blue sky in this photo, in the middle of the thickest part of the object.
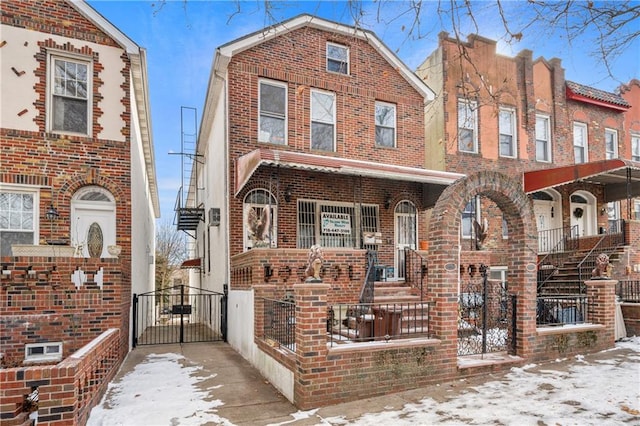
(181, 38)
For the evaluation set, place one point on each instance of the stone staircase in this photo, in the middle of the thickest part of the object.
(565, 279)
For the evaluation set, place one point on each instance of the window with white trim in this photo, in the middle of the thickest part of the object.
(18, 217)
(635, 147)
(543, 138)
(323, 121)
(333, 224)
(69, 94)
(580, 151)
(260, 219)
(636, 209)
(467, 125)
(470, 213)
(50, 351)
(385, 124)
(272, 127)
(611, 143)
(337, 58)
(507, 130)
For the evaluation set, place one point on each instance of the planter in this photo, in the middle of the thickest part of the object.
(42, 251)
(424, 245)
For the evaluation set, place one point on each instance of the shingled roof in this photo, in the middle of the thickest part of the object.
(584, 93)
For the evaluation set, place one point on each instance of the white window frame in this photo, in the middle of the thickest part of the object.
(580, 142)
(545, 156)
(611, 152)
(332, 122)
(51, 351)
(52, 57)
(510, 132)
(636, 209)
(267, 137)
(468, 120)
(273, 225)
(35, 192)
(343, 65)
(393, 126)
(635, 147)
(469, 215)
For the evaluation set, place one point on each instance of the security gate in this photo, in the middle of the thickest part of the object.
(179, 314)
(486, 321)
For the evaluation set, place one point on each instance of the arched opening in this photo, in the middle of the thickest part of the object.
(260, 212)
(93, 222)
(547, 208)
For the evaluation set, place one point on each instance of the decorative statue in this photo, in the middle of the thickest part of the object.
(601, 271)
(481, 230)
(314, 263)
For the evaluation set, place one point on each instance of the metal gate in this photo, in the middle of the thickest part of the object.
(179, 314)
(486, 321)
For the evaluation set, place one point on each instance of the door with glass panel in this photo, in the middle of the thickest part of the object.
(406, 225)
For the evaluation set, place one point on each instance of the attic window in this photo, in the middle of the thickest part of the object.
(337, 58)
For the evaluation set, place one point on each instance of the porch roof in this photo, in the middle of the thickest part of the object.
(192, 264)
(247, 164)
(620, 178)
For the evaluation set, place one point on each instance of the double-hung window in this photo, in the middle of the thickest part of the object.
(543, 138)
(635, 147)
(337, 58)
(507, 129)
(469, 215)
(323, 121)
(580, 151)
(385, 125)
(273, 113)
(467, 126)
(69, 95)
(611, 143)
(18, 218)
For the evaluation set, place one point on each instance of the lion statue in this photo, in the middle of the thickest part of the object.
(601, 270)
(314, 263)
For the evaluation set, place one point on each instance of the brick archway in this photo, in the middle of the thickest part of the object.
(444, 254)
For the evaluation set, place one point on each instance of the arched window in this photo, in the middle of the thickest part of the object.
(93, 222)
(260, 214)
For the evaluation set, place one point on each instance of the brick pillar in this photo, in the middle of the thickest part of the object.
(311, 341)
(260, 292)
(601, 295)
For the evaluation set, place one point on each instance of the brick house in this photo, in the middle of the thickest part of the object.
(313, 133)
(77, 174)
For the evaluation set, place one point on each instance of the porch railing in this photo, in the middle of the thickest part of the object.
(607, 244)
(557, 239)
(558, 254)
(280, 322)
(415, 269)
(561, 310)
(367, 290)
(628, 291)
(365, 322)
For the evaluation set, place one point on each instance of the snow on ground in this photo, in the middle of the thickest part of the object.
(604, 391)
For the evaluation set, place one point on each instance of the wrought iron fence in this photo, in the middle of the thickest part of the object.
(628, 291)
(366, 322)
(415, 269)
(562, 310)
(280, 322)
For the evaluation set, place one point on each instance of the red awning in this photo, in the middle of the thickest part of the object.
(621, 178)
(249, 163)
(192, 264)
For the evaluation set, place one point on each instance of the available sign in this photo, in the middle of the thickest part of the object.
(336, 223)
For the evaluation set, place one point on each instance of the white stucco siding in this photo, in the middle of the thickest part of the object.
(17, 110)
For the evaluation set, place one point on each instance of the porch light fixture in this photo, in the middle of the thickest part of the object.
(287, 194)
(387, 201)
(52, 213)
(603, 211)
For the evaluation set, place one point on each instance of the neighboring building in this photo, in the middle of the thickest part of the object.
(78, 196)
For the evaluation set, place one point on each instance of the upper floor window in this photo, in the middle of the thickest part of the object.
(507, 129)
(323, 121)
(18, 218)
(543, 138)
(467, 126)
(469, 215)
(580, 151)
(273, 113)
(385, 124)
(69, 89)
(635, 147)
(260, 219)
(611, 143)
(337, 58)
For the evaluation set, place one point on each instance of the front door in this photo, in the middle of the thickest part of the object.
(93, 222)
(583, 213)
(405, 235)
(548, 218)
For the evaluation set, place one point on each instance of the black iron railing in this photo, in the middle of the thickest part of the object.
(415, 269)
(280, 322)
(557, 239)
(365, 322)
(566, 242)
(562, 310)
(367, 290)
(607, 244)
(628, 291)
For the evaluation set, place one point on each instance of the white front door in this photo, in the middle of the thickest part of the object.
(405, 235)
(544, 212)
(93, 222)
(583, 214)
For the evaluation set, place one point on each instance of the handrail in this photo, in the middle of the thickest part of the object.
(613, 243)
(367, 290)
(414, 271)
(557, 255)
